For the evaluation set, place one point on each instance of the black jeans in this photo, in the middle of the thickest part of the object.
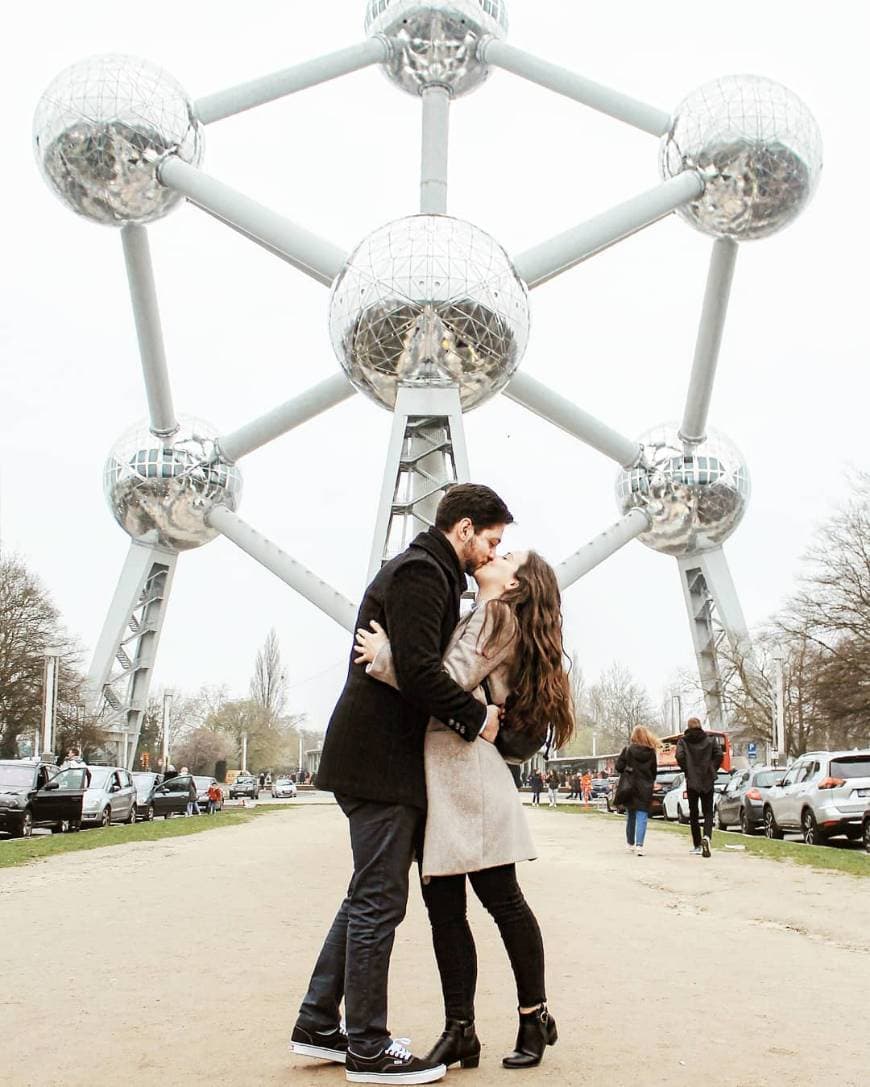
(355, 958)
(455, 953)
(706, 800)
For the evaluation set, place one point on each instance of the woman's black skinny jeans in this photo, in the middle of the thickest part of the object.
(455, 953)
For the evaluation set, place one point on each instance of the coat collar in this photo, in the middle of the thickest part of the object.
(435, 543)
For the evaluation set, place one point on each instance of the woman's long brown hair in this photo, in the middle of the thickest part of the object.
(540, 693)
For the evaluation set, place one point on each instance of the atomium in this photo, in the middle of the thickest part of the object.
(161, 489)
(436, 43)
(758, 148)
(695, 494)
(101, 128)
(429, 300)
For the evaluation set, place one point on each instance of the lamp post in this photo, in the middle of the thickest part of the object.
(166, 720)
(49, 701)
(676, 713)
(244, 751)
(778, 704)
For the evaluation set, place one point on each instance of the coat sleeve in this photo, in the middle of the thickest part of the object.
(621, 762)
(413, 609)
(681, 754)
(469, 660)
(382, 667)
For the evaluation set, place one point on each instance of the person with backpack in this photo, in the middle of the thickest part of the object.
(699, 756)
(637, 764)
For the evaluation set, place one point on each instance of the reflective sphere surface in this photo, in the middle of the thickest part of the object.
(696, 495)
(429, 300)
(160, 489)
(759, 149)
(99, 131)
(436, 42)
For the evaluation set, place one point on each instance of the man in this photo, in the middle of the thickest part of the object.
(699, 756)
(372, 761)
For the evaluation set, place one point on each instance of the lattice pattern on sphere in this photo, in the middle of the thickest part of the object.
(99, 131)
(759, 149)
(161, 489)
(695, 495)
(429, 299)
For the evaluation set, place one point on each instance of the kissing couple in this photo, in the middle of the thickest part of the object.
(411, 758)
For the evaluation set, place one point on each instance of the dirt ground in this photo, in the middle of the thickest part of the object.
(183, 962)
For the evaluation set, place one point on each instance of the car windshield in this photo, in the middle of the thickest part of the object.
(722, 779)
(666, 780)
(851, 767)
(202, 783)
(99, 776)
(16, 776)
(143, 780)
(283, 781)
(766, 778)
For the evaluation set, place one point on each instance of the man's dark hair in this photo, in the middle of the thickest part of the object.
(480, 504)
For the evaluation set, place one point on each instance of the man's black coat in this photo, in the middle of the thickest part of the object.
(373, 748)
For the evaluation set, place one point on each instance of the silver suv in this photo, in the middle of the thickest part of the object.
(822, 794)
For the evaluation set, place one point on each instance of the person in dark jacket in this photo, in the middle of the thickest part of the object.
(372, 761)
(699, 756)
(639, 761)
(536, 781)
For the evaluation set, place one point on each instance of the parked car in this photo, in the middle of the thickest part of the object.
(171, 797)
(663, 783)
(283, 787)
(34, 794)
(822, 794)
(245, 785)
(675, 803)
(203, 784)
(600, 787)
(110, 797)
(866, 830)
(741, 803)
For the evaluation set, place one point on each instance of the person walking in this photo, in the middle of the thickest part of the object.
(192, 804)
(536, 783)
(586, 787)
(638, 760)
(699, 756)
(476, 828)
(552, 789)
(372, 761)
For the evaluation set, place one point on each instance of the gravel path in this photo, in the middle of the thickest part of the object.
(182, 962)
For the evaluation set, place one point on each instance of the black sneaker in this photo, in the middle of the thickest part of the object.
(329, 1045)
(395, 1064)
(705, 846)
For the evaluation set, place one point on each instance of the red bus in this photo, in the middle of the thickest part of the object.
(667, 753)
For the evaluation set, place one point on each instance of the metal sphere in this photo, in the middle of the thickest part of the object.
(100, 130)
(436, 43)
(160, 489)
(429, 300)
(759, 149)
(696, 494)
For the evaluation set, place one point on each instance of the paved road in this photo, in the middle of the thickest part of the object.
(190, 955)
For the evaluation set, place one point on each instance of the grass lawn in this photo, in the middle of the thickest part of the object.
(826, 858)
(25, 850)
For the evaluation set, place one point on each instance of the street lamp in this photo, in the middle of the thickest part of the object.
(778, 703)
(49, 701)
(167, 717)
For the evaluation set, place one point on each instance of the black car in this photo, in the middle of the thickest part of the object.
(865, 831)
(245, 785)
(146, 782)
(171, 797)
(33, 794)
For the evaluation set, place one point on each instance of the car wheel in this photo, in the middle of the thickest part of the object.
(745, 828)
(771, 830)
(26, 827)
(149, 813)
(813, 835)
(680, 817)
(720, 822)
(63, 826)
(867, 835)
(131, 821)
(106, 817)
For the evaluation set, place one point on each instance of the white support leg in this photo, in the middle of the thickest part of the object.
(435, 145)
(426, 455)
(123, 662)
(602, 547)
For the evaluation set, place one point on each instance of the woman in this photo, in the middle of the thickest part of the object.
(639, 761)
(475, 824)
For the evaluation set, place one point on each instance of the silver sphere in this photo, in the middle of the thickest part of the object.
(696, 494)
(429, 300)
(436, 43)
(759, 148)
(160, 489)
(100, 130)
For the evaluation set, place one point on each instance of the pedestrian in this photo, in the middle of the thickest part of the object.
(699, 756)
(586, 787)
(215, 796)
(552, 789)
(192, 804)
(638, 761)
(372, 761)
(537, 785)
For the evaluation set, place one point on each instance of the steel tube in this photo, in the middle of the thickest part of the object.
(290, 571)
(146, 313)
(559, 254)
(256, 92)
(715, 309)
(309, 253)
(562, 413)
(291, 414)
(435, 144)
(568, 83)
(602, 547)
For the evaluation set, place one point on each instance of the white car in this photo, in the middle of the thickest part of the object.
(676, 802)
(283, 787)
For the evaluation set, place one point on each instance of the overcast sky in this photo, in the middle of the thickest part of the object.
(244, 331)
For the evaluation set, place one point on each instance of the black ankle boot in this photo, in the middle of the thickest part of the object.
(537, 1031)
(458, 1043)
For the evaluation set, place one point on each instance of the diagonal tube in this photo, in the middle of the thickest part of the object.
(309, 253)
(568, 83)
(146, 313)
(290, 571)
(291, 414)
(256, 92)
(634, 524)
(435, 144)
(715, 309)
(562, 413)
(547, 260)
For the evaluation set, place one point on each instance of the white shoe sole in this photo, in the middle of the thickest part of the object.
(334, 1055)
(429, 1076)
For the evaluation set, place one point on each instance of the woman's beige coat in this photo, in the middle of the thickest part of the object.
(474, 818)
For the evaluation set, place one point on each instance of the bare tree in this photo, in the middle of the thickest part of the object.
(617, 703)
(268, 683)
